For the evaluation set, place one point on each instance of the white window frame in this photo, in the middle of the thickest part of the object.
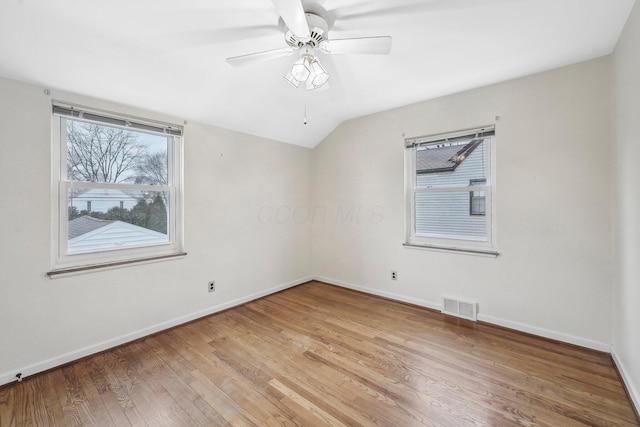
(64, 262)
(486, 245)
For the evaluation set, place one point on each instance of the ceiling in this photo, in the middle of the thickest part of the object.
(169, 55)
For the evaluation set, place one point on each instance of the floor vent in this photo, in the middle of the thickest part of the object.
(460, 308)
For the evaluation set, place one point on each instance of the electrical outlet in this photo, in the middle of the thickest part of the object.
(212, 286)
(394, 275)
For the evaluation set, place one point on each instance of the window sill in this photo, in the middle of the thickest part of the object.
(72, 271)
(477, 252)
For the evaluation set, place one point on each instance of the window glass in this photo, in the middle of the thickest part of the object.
(446, 214)
(450, 164)
(142, 220)
(102, 153)
(449, 190)
(477, 199)
(118, 188)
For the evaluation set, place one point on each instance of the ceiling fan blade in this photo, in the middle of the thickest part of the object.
(292, 13)
(380, 45)
(242, 60)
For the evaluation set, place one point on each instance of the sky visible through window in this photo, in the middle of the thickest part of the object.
(102, 153)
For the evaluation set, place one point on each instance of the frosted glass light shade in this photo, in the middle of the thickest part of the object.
(307, 69)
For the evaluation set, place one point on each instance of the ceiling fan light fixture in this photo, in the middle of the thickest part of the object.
(291, 80)
(301, 69)
(319, 76)
(308, 32)
(307, 69)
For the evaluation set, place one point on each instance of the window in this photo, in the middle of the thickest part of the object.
(449, 190)
(477, 201)
(117, 188)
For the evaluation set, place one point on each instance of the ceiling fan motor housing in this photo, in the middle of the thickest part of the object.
(318, 29)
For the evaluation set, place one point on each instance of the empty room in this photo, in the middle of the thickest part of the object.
(316, 212)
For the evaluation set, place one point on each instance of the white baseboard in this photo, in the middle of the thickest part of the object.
(35, 368)
(583, 342)
(390, 295)
(546, 333)
(626, 378)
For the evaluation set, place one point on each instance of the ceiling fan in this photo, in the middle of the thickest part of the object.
(307, 33)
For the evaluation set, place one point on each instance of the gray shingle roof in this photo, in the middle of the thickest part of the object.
(85, 224)
(116, 235)
(444, 158)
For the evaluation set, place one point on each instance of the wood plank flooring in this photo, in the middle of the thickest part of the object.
(321, 355)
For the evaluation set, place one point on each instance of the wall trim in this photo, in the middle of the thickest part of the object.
(51, 363)
(26, 371)
(534, 330)
(633, 392)
(384, 294)
(546, 333)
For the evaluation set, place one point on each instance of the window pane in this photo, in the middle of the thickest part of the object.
(477, 203)
(101, 153)
(451, 165)
(105, 219)
(446, 214)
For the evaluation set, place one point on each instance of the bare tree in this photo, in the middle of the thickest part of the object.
(151, 168)
(97, 153)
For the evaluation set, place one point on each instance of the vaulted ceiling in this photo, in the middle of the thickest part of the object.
(169, 55)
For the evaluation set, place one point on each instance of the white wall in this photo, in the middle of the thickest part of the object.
(626, 333)
(257, 212)
(229, 179)
(553, 205)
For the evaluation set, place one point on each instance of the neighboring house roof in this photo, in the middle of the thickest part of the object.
(110, 235)
(444, 158)
(100, 193)
(85, 224)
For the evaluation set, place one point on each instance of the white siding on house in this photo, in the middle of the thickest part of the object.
(447, 214)
(101, 199)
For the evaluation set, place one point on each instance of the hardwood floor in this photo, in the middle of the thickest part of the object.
(321, 355)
